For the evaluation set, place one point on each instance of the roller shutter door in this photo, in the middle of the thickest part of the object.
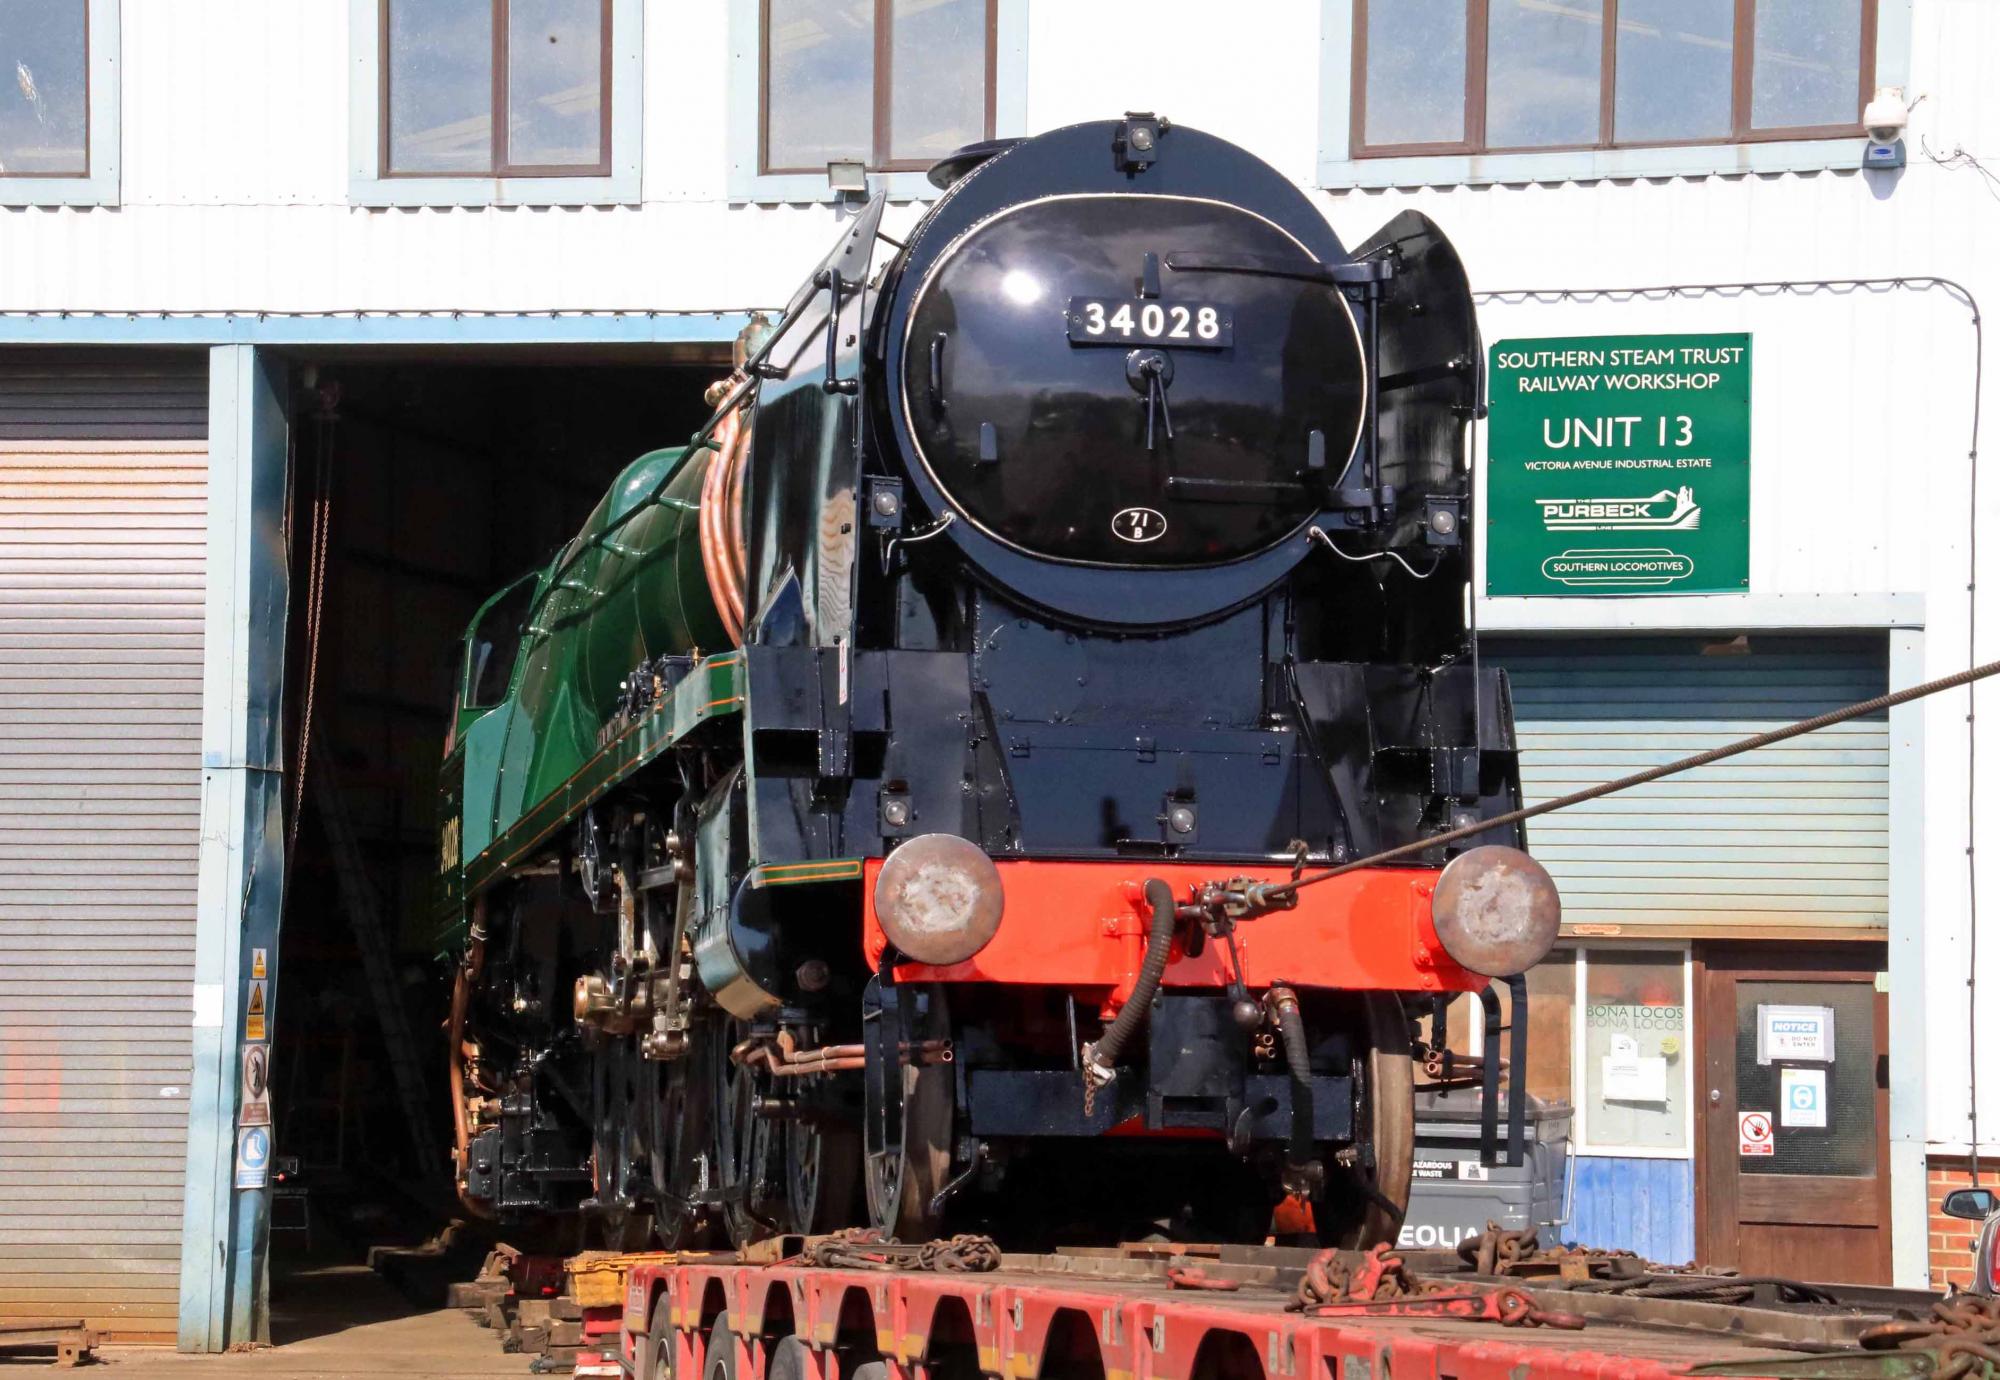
(1786, 837)
(103, 484)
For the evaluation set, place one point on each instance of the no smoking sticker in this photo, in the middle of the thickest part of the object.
(1753, 1133)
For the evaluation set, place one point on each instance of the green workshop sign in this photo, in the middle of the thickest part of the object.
(1619, 464)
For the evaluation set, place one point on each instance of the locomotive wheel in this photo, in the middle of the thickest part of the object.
(1348, 1215)
(909, 1112)
(822, 1167)
(680, 1151)
(746, 1146)
(792, 1176)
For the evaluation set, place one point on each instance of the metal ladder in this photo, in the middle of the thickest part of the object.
(364, 914)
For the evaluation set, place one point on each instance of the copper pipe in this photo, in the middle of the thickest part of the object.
(708, 520)
(739, 551)
(728, 522)
(782, 1060)
(721, 522)
(732, 584)
(825, 1066)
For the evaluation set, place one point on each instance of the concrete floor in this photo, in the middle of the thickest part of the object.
(336, 1320)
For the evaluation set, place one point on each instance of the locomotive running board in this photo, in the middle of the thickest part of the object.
(712, 689)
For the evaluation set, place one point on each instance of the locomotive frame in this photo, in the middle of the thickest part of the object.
(938, 888)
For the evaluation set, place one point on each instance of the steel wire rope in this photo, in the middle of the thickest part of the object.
(1624, 783)
(1909, 282)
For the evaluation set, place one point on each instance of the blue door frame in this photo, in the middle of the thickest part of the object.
(224, 1233)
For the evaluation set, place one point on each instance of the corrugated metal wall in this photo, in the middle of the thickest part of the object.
(101, 560)
(1788, 836)
(50, 395)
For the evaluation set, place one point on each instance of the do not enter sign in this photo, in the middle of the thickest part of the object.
(1753, 1133)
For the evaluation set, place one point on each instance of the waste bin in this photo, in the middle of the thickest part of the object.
(1453, 1195)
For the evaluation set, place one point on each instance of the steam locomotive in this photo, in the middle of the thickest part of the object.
(884, 810)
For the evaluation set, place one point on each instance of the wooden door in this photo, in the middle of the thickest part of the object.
(1794, 1112)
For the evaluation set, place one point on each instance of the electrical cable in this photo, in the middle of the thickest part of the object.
(1415, 574)
(1904, 283)
(936, 529)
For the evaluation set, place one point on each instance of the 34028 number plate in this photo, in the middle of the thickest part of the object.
(1119, 321)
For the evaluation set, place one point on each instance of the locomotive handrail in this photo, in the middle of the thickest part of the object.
(1304, 270)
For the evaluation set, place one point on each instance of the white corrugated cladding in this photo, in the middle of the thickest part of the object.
(103, 493)
(1791, 836)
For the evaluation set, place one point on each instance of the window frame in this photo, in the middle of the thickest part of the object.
(499, 95)
(615, 181)
(98, 184)
(749, 116)
(1345, 161)
(882, 130)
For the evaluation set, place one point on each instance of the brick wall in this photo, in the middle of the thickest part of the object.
(1952, 1237)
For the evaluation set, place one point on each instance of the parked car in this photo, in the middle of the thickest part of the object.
(1979, 1205)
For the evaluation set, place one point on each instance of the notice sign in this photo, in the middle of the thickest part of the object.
(1619, 465)
(1794, 1032)
(1753, 1133)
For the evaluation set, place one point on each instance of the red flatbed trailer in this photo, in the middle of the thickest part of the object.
(1109, 1315)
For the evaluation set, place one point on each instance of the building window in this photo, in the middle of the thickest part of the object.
(45, 106)
(893, 84)
(503, 101)
(58, 101)
(507, 88)
(1634, 1052)
(1501, 76)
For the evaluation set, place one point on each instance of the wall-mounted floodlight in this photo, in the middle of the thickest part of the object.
(848, 176)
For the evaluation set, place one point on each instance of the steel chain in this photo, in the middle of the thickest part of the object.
(1496, 1247)
(1329, 1278)
(1963, 1331)
(865, 1248)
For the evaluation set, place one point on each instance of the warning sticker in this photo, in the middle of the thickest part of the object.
(1449, 1169)
(1753, 1133)
(253, 1014)
(257, 965)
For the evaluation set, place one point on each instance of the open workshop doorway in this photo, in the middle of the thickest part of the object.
(419, 486)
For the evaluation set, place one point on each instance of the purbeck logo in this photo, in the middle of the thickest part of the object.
(1669, 510)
